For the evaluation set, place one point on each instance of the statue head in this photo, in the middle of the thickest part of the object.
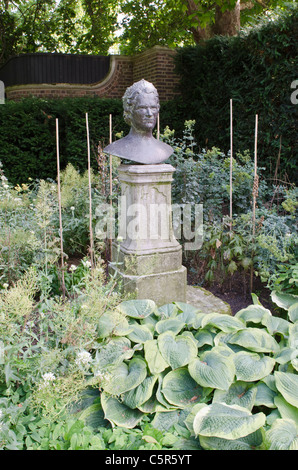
(141, 106)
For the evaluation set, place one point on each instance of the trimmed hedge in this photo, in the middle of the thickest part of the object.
(28, 134)
(256, 70)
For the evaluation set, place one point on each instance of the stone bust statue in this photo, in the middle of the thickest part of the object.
(141, 107)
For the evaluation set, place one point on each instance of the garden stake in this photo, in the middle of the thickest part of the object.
(111, 191)
(60, 211)
(254, 194)
(90, 197)
(231, 162)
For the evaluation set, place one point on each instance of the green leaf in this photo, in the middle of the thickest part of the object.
(155, 361)
(293, 312)
(139, 334)
(139, 395)
(203, 336)
(286, 410)
(113, 323)
(283, 435)
(177, 351)
(223, 322)
(251, 367)
(171, 324)
(227, 421)
(265, 396)
(138, 308)
(180, 389)
(276, 325)
(287, 385)
(167, 311)
(284, 300)
(212, 369)
(250, 442)
(254, 339)
(118, 413)
(126, 377)
(115, 351)
(253, 313)
(239, 393)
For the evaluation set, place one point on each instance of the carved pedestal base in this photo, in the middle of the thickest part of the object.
(149, 259)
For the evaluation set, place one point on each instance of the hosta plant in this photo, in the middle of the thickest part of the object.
(221, 382)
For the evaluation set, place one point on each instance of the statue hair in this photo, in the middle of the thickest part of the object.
(130, 95)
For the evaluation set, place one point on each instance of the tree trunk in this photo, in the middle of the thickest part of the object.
(227, 23)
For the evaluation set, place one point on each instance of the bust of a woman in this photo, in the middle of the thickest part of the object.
(141, 107)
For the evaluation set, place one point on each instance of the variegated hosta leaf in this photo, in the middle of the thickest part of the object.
(254, 339)
(118, 413)
(286, 410)
(177, 351)
(283, 435)
(170, 324)
(265, 396)
(139, 395)
(239, 393)
(180, 389)
(213, 369)
(276, 325)
(223, 322)
(126, 377)
(284, 300)
(155, 361)
(250, 442)
(167, 311)
(114, 352)
(204, 336)
(113, 323)
(139, 333)
(253, 314)
(251, 367)
(287, 385)
(227, 421)
(138, 308)
(293, 312)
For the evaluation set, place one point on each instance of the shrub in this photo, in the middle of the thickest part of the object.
(28, 134)
(255, 69)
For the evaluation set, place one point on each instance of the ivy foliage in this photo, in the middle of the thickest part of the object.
(255, 69)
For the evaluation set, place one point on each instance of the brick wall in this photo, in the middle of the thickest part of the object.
(155, 65)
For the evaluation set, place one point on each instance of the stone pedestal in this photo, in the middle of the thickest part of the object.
(149, 258)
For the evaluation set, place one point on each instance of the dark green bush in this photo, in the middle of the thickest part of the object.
(255, 69)
(28, 134)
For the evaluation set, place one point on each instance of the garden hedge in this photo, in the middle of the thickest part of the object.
(256, 70)
(28, 133)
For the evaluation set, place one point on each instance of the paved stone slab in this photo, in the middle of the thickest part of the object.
(206, 301)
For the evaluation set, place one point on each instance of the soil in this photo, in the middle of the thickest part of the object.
(231, 291)
(236, 294)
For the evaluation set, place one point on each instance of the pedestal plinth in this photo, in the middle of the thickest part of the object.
(149, 259)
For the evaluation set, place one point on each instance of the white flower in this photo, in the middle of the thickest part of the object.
(87, 264)
(73, 267)
(83, 358)
(72, 208)
(48, 378)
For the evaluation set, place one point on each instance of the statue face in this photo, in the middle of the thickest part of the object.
(145, 112)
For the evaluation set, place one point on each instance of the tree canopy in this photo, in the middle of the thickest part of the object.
(94, 26)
